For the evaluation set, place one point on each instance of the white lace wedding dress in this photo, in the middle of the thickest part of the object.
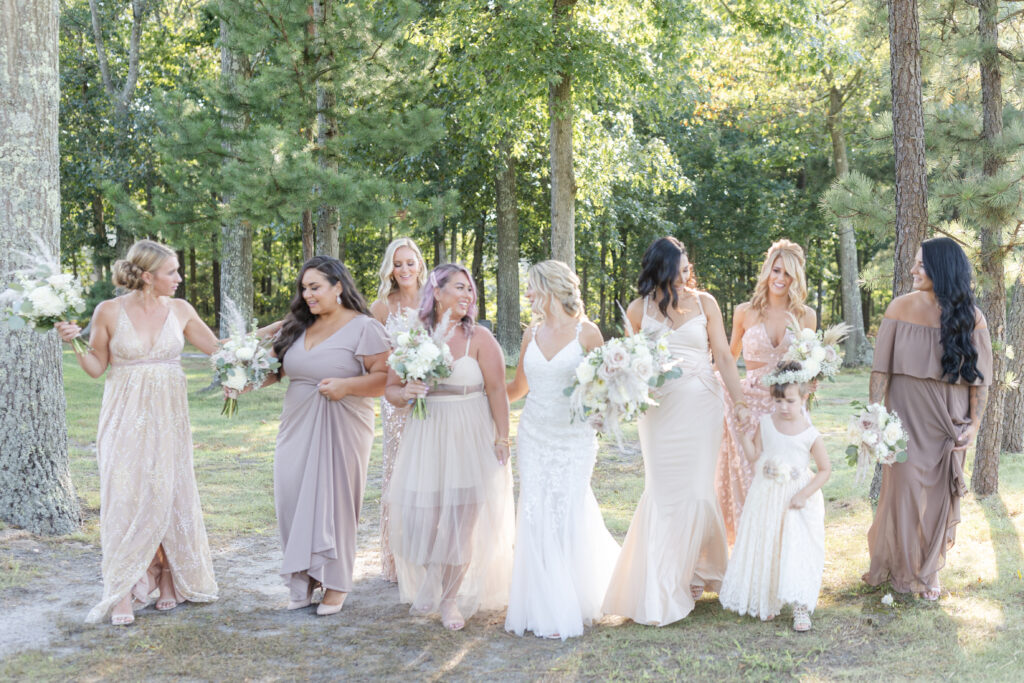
(564, 555)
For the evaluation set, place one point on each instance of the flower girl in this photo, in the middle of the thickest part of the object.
(779, 554)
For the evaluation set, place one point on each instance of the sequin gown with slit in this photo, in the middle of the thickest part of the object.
(148, 493)
(564, 555)
(919, 502)
(323, 448)
(734, 473)
(451, 501)
(676, 538)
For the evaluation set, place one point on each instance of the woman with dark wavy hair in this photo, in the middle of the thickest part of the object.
(933, 365)
(335, 356)
(676, 547)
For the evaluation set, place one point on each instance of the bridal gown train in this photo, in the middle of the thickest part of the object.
(564, 555)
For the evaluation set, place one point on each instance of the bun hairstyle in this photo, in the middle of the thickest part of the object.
(793, 262)
(659, 270)
(387, 267)
(145, 256)
(437, 279)
(555, 282)
(791, 367)
(950, 271)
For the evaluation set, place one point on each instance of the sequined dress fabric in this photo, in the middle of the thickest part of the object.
(148, 493)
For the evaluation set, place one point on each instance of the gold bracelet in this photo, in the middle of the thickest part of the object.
(501, 442)
(737, 404)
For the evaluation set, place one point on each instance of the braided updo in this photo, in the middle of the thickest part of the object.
(145, 256)
(555, 282)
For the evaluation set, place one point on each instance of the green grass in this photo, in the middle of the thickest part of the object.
(975, 632)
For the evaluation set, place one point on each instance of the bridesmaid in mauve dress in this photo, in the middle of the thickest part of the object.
(932, 366)
(151, 524)
(335, 356)
(675, 548)
(760, 330)
(402, 276)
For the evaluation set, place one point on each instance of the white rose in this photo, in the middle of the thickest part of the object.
(59, 281)
(402, 339)
(615, 356)
(245, 353)
(643, 367)
(808, 335)
(428, 353)
(870, 438)
(585, 373)
(812, 368)
(818, 354)
(892, 433)
(236, 379)
(45, 302)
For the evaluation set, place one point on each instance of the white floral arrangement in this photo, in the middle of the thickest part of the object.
(243, 360)
(614, 382)
(817, 353)
(422, 357)
(876, 436)
(40, 296)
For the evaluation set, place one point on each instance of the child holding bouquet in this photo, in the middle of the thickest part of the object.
(779, 554)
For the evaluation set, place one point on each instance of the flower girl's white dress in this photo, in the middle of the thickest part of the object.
(564, 555)
(779, 554)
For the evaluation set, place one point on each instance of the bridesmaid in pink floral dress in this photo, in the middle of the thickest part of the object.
(760, 330)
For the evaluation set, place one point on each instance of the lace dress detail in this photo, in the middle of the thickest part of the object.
(148, 493)
(564, 555)
(734, 474)
(392, 420)
(779, 555)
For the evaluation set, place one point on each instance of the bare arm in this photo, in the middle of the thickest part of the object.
(379, 310)
(739, 317)
(268, 331)
(810, 319)
(635, 314)
(519, 387)
(821, 460)
(751, 447)
(196, 331)
(96, 361)
(720, 349)
(978, 402)
(492, 365)
(878, 387)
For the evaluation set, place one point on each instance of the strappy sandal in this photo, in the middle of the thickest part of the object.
(801, 619)
(931, 595)
(451, 618)
(696, 592)
(165, 605)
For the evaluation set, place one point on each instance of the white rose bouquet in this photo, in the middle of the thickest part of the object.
(243, 361)
(40, 296)
(876, 436)
(421, 357)
(817, 353)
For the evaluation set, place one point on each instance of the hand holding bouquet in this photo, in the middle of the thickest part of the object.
(877, 436)
(817, 353)
(243, 361)
(40, 296)
(418, 356)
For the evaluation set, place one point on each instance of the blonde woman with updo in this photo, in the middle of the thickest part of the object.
(402, 276)
(564, 555)
(760, 331)
(151, 524)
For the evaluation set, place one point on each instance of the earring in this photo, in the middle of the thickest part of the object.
(339, 299)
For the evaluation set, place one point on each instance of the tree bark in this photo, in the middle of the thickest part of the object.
(325, 234)
(985, 477)
(36, 492)
(563, 178)
(908, 139)
(308, 242)
(479, 230)
(509, 333)
(857, 350)
(1013, 405)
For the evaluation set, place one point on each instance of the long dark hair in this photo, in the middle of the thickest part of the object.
(437, 279)
(950, 271)
(300, 318)
(659, 270)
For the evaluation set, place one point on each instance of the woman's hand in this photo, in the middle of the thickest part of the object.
(741, 412)
(333, 388)
(967, 438)
(501, 451)
(413, 390)
(67, 331)
(798, 501)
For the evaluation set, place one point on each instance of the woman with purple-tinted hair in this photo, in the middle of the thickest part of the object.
(452, 519)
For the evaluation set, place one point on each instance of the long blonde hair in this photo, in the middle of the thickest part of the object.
(555, 281)
(792, 255)
(387, 267)
(145, 256)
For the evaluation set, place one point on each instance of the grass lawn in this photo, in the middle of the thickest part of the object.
(976, 631)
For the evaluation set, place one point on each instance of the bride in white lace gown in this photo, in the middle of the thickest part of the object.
(564, 555)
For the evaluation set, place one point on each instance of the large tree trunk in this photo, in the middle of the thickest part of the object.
(479, 230)
(35, 484)
(908, 139)
(308, 240)
(985, 478)
(325, 234)
(563, 178)
(1013, 405)
(857, 350)
(508, 333)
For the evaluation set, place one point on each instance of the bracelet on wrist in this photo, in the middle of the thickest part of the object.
(501, 442)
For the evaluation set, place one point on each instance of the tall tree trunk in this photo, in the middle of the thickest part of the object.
(183, 271)
(478, 265)
(326, 229)
(856, 347)
(508, 333)
(908, 140)
(563, 178)
(35, 483)
(100, 260)
(1013, 406)
(215, 268)
(985, 478)
(308, 242)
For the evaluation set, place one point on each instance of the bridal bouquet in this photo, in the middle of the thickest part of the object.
(613, 383)
(421, 357)
(40, 296)
(877, 436)
(817, 353)
(243, 361)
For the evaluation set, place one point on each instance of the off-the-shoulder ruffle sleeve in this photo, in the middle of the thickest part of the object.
(373, 339)
(903, 348)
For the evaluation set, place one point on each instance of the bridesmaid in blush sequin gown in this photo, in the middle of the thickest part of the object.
(402, 275)
(760, 330)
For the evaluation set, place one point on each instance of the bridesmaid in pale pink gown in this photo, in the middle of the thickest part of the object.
(151, 524)
(759, 329)
(402, 276)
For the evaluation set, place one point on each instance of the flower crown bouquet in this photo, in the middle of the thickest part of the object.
(817, 353)
(243, 361)
(423, 357)
(40, 296)
(877, 436)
